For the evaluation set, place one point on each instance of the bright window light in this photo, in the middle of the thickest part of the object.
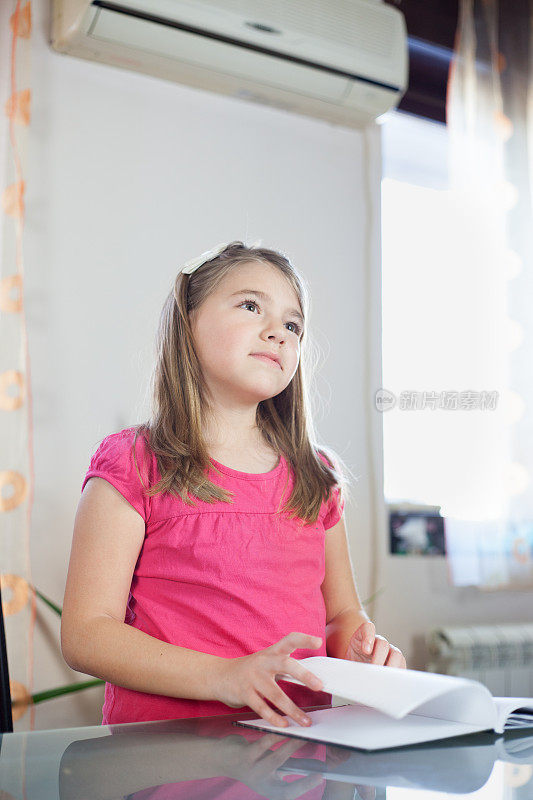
(443, 331)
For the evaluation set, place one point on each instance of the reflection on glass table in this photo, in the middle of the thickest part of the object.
(212, 758)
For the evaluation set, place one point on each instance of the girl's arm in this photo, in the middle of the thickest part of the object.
(349, 632)
(344, 610)
(108, 536)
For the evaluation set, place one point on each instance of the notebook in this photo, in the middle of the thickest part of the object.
(392, 707)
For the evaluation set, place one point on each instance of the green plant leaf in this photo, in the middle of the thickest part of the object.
(373, 596)
(40, 697)
(46, 600)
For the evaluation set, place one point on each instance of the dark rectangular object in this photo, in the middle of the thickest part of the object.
(6, 718)
(416, 533)
(431, 28)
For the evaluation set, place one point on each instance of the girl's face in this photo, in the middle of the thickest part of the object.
(228, 328)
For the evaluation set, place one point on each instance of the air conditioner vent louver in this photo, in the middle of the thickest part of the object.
(345, 61)
(367, 27)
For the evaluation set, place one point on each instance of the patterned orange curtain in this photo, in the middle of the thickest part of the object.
(16, 464)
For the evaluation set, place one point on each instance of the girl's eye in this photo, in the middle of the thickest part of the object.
(297, 329)
(249, 303)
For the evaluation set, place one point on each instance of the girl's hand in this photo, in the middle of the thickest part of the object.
(250, 680)
(366, 645)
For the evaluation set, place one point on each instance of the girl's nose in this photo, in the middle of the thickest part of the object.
(277, 336)
(277, 330)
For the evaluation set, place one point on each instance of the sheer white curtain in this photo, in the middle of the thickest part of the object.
(489, 118)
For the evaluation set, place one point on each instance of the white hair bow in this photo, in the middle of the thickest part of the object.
(194, 263)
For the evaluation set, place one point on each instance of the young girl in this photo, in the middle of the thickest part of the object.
(209, 552)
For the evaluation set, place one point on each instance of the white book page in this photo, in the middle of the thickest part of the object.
(359, 726)
(506, 706)
(397, 692)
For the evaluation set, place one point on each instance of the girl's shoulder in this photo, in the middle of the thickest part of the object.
(129, 469)
(120, 444)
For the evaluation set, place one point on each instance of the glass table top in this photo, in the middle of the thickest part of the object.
(211, 757)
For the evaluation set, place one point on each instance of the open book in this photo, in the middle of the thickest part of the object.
(392, 707)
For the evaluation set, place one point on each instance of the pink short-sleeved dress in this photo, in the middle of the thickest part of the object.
(227, 579)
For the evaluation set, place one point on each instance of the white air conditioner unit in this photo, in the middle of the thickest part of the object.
(345, 61)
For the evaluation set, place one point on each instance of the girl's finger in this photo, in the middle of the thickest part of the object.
(396, 658)
(265, 712)
(278, 698)
(307, 677)
(365, 628)
(381, 651)
(366, 633)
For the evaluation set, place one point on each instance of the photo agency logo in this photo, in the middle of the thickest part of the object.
(452, 400)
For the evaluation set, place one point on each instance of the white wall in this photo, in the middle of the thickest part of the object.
(129, 177)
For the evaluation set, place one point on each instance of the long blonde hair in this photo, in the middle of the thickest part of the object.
(179, 396)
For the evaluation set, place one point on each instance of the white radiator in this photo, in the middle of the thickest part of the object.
(499, 656)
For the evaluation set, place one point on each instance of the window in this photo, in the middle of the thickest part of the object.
(443, 312)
